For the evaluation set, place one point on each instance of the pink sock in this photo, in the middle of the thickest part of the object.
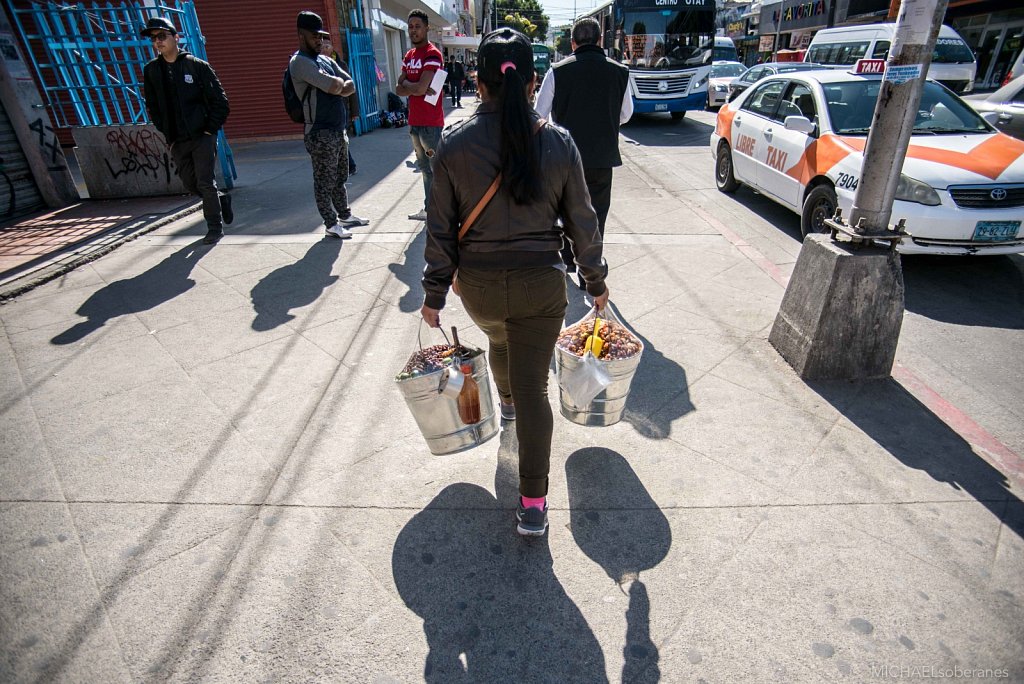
(532, 502)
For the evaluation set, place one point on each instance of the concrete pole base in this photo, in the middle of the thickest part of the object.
(841, 315)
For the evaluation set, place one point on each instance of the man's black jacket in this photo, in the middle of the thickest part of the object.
(204, 106)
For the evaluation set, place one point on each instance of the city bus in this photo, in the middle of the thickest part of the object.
(668, 46)
(541, 60)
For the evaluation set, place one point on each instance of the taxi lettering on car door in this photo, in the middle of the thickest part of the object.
(764, 149)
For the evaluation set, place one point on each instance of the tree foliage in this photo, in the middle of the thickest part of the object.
(526, 16)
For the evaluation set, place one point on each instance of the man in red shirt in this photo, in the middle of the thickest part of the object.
(425, 120)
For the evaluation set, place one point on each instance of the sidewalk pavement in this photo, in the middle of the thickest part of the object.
(37, 248)
(207, 474)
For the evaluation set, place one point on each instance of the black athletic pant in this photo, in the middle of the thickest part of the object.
(195, 160)
(599, 184)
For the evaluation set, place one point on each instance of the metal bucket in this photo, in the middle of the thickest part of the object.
(607, 407)
(433, 404)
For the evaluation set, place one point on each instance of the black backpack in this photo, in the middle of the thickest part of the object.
(293, 104)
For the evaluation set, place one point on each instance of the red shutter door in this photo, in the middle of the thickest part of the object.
(248, 45)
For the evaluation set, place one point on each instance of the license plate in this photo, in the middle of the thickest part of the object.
(996, 231)
(661, 107)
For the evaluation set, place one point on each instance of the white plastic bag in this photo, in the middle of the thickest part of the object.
(584, 382)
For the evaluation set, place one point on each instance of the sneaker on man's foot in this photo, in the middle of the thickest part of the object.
(339, 231)
(353, 220)
(420, 215)
(213, 236)
(532, 521)
(225, 208)
(508, 411)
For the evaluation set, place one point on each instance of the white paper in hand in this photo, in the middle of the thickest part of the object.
(437, 83)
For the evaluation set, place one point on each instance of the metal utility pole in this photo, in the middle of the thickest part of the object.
(778, 31)
(841, 315)
(917, 28)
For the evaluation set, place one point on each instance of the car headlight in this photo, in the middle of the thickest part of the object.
(702, 81)
(912, 190)
(721, 88)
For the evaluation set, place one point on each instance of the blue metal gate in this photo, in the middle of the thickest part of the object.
(91, 71)
(364, 68)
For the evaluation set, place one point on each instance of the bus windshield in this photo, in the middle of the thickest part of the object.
(664, 34)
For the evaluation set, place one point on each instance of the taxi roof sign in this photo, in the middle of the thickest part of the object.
(869, 66)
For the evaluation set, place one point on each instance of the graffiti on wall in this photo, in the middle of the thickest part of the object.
(141, 152)
(48, 144)
(12, 198)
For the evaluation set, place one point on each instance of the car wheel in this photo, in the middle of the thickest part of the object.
(820, 204)
(676, 116)
(724, 178)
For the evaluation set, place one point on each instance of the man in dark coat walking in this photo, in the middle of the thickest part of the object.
(187, 105)
(588, 94)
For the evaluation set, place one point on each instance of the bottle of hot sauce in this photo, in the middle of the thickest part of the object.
(469, 397)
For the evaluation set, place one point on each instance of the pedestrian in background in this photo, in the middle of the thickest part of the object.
(323, 88)
(351, 103)
(457, 77)
(188, 106)
(588, 94)
(425, 120)
(510, 273)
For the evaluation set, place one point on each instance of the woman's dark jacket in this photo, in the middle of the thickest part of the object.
(204, 106)
(506, 235)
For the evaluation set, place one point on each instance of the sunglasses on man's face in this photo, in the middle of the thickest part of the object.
(154, 37)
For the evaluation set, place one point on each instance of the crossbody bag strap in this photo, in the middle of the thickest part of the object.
(480, 206)
(491, 191)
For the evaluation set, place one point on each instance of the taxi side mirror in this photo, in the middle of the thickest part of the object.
(799, 123)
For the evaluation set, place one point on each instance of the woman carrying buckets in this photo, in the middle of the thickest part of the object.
(501, 179)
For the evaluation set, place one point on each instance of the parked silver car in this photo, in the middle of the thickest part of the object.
(1007, 104)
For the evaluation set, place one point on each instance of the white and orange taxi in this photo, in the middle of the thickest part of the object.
(799, 138)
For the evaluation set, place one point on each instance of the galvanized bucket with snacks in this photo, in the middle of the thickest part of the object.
(595, 360)
(431, 383)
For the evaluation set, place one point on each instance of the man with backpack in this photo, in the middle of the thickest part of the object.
(321, 88)
(187, 105)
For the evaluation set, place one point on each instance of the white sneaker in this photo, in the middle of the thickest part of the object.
(420, 215)
(340, 231)
(353, 220)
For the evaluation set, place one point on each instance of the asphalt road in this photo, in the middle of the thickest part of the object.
(964, 315)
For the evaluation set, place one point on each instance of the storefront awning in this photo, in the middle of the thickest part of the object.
(471, 42)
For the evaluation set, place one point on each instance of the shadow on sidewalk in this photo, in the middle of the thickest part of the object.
(617, 524)
(410, 272)
(162, 283)
(903, 426)
(985, 292)
(490, 602)
(294, 285)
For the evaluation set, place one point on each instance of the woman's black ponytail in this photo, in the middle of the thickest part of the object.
(507, 57)
(519, 157)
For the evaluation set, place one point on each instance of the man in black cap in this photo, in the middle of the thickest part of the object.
(324, 87)
(188, 106)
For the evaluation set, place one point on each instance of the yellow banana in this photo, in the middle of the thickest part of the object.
(596, 343)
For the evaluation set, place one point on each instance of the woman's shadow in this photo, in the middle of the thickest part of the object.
(294, 285)
(491, 605)
(151, 288)
(617, 524)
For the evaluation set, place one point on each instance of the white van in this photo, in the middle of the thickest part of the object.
(953, 63)
(724, 49)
